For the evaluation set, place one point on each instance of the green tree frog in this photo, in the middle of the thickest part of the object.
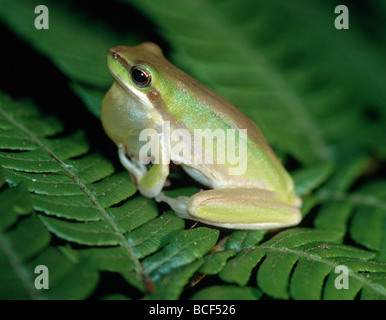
(150, 93)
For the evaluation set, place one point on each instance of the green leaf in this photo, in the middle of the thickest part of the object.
(86, 199)
(299, 236)
(375, 291)
(238, 269)
(307, 179)
(306, 267)
(185, 247)
(97, 233)
(112, 259)
(227, 293)
(24, 247)
(369, 285)
(244, 239)
(371, 213)
(332, 293)
(171, 285)
(134, 213)
(15, 201)
(216, 261)
(67, 279)
(24, 239)
(334, 216)
(154, 235)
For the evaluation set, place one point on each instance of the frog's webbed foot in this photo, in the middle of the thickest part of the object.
(177, 204)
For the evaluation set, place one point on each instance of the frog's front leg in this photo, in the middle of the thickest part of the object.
(136, 168)
(149, 182)
(236, 208)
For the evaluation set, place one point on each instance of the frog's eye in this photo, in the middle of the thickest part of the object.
(140, 76)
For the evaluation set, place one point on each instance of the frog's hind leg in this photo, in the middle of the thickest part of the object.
(236, 208)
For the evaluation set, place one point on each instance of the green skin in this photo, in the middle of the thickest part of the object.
(261, 198)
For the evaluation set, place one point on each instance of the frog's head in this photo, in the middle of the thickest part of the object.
(132, 102)
(137, 69)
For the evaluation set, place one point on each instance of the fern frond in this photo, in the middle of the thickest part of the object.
(24, 245)
(71, 190)
(301, 264)
(83, 202)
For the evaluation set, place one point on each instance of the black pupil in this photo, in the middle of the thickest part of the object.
(139, 76)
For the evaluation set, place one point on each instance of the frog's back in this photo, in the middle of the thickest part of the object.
(203, 109)
(187, 104)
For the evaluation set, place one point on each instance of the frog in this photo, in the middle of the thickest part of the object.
(149, 93)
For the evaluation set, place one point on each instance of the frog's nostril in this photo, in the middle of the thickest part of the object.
(113, 53)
